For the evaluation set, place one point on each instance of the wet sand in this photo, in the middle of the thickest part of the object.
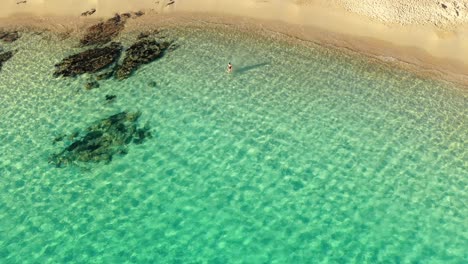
(409, 39)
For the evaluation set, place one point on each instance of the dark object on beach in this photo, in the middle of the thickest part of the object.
(103, 140)
(4, 57)
(140, 53)
(91, 85)
(110, 97)
(21, 2)
(138, 14)
(170, 2)
(126, 15)
(444, 6)
(9, 37)
(89, 12)
(103, 32)
(89, 61)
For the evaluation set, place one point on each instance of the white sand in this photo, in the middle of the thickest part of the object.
(441, 13)
(444, 14)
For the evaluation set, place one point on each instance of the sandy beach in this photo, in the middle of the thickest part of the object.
(428, 37)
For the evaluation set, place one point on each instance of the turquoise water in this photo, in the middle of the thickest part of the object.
(302, 155)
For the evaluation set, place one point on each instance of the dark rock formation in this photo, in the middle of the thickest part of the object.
(140, 53)
(4, 57)
(91, 85)
(89, 12)
(9, 37)
(103, 32)
(103, 140)
(89, 61)
(110, 97)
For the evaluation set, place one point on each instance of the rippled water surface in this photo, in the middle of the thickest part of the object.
(302, 155)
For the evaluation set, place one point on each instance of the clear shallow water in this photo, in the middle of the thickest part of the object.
(302, 155)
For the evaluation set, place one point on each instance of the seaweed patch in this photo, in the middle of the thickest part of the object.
(101, 141)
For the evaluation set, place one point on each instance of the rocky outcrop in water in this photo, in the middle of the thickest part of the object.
(91, 85)
(4, 57)
(142, 52)
(9, 37)
(103, 32)
(89, 61)
(110, 97)
(108, 137)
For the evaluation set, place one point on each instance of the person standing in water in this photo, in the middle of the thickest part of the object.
(229, 68)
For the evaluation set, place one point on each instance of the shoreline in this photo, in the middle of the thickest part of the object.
(410, 59)
(423, 50)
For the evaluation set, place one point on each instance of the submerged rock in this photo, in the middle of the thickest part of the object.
(89, 61)
(153, 84)
(103, 32)
(110, 97)
(103, 140)
(4, 57)
(59, 138)
(9, 37)
(91, 85)
(107, 74)
(143, 35)
(147, 34)
(142, 52)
